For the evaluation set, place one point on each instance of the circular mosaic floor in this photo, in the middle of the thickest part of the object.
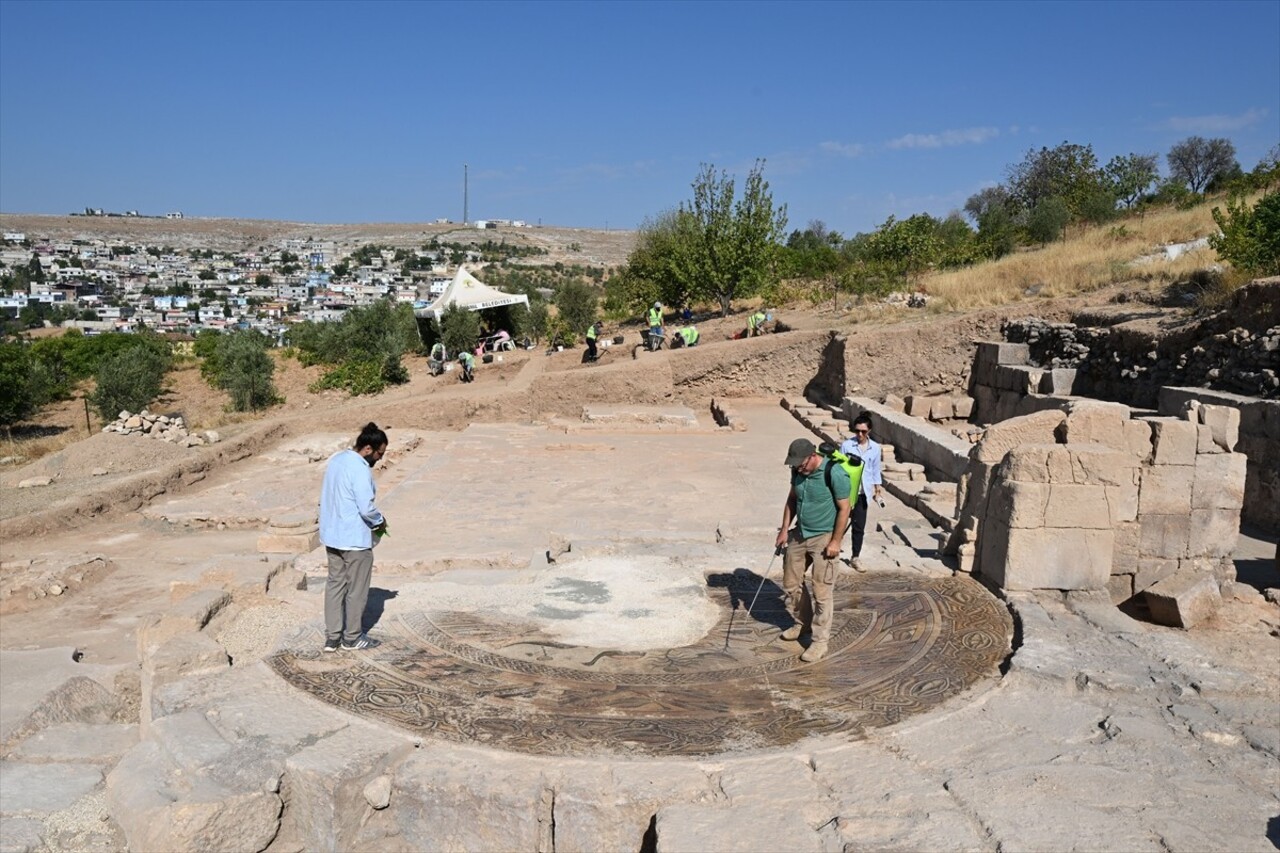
(900, 645)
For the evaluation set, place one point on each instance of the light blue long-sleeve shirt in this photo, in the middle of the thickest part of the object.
(870, 462)
(347, 511)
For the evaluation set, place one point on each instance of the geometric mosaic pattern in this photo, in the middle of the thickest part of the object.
(900, 645)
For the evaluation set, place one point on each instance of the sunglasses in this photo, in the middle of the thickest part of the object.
(862, 432)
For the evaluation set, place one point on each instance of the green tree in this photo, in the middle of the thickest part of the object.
(1068, 171)
(1131, 175)
(1048, 220)
(577, 304)
(262, 280)
(459, 329)
(813, 252)
(663, 264)
(1195, 161)
(129, 379)
(1250, 237)
(736, 241)
(906, 248)
(245, 369)
(35, 270)
(19, 395)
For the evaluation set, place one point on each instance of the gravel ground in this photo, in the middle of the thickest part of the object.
(85, 827)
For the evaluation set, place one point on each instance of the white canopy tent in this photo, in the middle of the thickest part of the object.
(468, 292)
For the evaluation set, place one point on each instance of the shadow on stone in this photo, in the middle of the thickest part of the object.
(742, 585)
(374, 606)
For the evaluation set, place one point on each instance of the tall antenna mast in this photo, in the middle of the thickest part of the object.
(466, 217)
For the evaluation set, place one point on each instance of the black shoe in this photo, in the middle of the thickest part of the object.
(330, 645)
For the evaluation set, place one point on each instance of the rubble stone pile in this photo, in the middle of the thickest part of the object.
(170, 428)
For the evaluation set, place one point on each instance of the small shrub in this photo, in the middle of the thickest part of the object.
(355, 377)
(1250, 237)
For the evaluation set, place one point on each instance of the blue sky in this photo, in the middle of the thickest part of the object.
(599, 114)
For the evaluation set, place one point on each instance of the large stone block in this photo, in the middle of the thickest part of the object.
(178, 657)
(1124, 554)
(1166, 490)
(1152, 570)
(1019, 504)
(1122, 501)
(1077, 506)
(190, 614)
(1002, 437)
(1183, 600)
(1223, 422)
(918, 406)
(1018, 378)
(1120, 588)
(1096, 464)
(1096, 422)
(1219, 481)
(1213, 532)
(445, 799)
(998, 352)
(1204, 440)
(1046, 558)
(1137, 437)
(681, 828)
(323, 784)
(44, 787)
(984, 403)
(1164, 536)
(1037, 463)
(163, 799)
(288, 543)
(1173, 442)
(1059, 380)
(963, 407)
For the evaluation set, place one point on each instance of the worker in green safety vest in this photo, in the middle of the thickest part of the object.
(686, 337)
(468, 362)
(755, 323)
(593, 332)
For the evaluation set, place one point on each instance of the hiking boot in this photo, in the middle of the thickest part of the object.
(792, 633)
(330, 645)
(815, 652)
(856, 565)
(364, 641)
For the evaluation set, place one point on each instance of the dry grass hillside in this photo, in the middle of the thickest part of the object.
(1090, 258)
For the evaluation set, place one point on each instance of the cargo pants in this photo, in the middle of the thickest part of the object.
(811, 609)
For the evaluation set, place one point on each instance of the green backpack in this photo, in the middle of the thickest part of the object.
(851, 464)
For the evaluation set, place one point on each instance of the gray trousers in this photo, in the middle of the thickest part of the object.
(346, 592)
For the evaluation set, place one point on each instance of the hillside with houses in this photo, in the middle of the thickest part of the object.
(183, 276)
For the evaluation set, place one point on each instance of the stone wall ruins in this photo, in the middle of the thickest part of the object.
(1235, 350)
(1090, 497)
(1005, 384)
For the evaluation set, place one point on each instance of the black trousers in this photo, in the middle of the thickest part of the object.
(858, 523)
(591, 349)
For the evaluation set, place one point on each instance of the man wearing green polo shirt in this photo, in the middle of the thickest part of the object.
(819, 503)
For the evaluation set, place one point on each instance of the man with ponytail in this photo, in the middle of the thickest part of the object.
(350, 524)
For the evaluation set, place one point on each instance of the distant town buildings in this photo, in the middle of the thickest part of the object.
(117, 285)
